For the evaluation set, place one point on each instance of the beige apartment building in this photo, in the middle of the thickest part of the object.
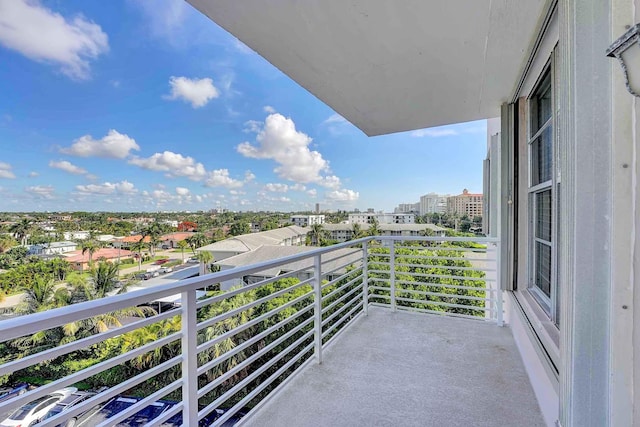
(469, 204)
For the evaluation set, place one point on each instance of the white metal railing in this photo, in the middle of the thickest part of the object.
(232, 349)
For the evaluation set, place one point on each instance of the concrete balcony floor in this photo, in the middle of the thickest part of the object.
(398, 368)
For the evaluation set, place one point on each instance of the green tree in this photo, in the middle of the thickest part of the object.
(317, 235)
(356, 231)
(137, 248)
(182, 244)
(205, 258)
(239, 228)
(21, 230)
(6, 243)
(196, 241)
(374, 230)
(153, 232)
(91, 247)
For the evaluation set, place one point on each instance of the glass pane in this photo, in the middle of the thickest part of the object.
(542, 157)
(543, 268)
(541, 107)
(543, 215)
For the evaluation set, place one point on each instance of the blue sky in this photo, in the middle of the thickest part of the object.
(147, 106)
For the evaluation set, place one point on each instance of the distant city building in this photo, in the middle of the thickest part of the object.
(469, 204)
(413, 208)
(344, 232)
(307, 220)
(381, 218)
(433, 203)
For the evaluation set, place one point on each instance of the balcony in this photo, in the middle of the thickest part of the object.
(387, 331)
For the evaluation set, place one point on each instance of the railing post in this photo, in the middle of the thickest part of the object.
(499, 309)
(317, 309)
(392, 273)
(365, 278)
(189, 359)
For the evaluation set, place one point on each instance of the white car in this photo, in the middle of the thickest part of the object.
(32, 412)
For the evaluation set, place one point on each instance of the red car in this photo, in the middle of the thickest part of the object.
(162, 261)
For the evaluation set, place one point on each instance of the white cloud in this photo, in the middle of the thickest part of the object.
(165, 18)
(122, 187)
(46, 36)
(279, 140)
(277, 187)
(221, 178)
(174, 164)
(5, 171)
(335, 118)
(182, 191)
(248, 177)
(252, 126)
(33, 174)
(343, 195)
(298, 187)
(68, 167)
(331, 181)
(196, 91)
(114, 145)
(42, 191)
(268, 109)
(313, 192)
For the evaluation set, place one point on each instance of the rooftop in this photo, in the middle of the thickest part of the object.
(398, 368)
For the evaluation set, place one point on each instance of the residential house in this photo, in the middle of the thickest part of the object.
(285, 236)
(80, 261)
(303, 268)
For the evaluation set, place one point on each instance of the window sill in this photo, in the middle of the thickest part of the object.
(546, 331)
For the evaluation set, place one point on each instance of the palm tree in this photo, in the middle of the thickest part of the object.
(205, 259)
(90, 247)
(6, 243)
(317, 234)
(38, 296)
(356, 231)
(137, 248)
(183, 244)
(153, 232)
(104, 278)
(196, 241)
(373, 228)
(21, 230)
(220, 328)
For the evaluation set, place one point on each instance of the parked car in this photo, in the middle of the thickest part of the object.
(193, 260)
(119, 404)
(66, 403)
(7, 393)
(162, 261)
(165, 270)
(32, 412)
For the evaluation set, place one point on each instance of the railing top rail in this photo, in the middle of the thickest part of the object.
(26, 325)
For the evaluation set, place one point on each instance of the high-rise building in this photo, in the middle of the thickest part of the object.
(469, 204)
(433, 203)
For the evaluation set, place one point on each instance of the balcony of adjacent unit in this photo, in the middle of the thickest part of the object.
(376, 331)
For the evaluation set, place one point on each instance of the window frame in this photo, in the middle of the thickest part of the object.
(550, 303)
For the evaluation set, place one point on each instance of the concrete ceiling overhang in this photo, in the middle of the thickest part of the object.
(390, 66)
